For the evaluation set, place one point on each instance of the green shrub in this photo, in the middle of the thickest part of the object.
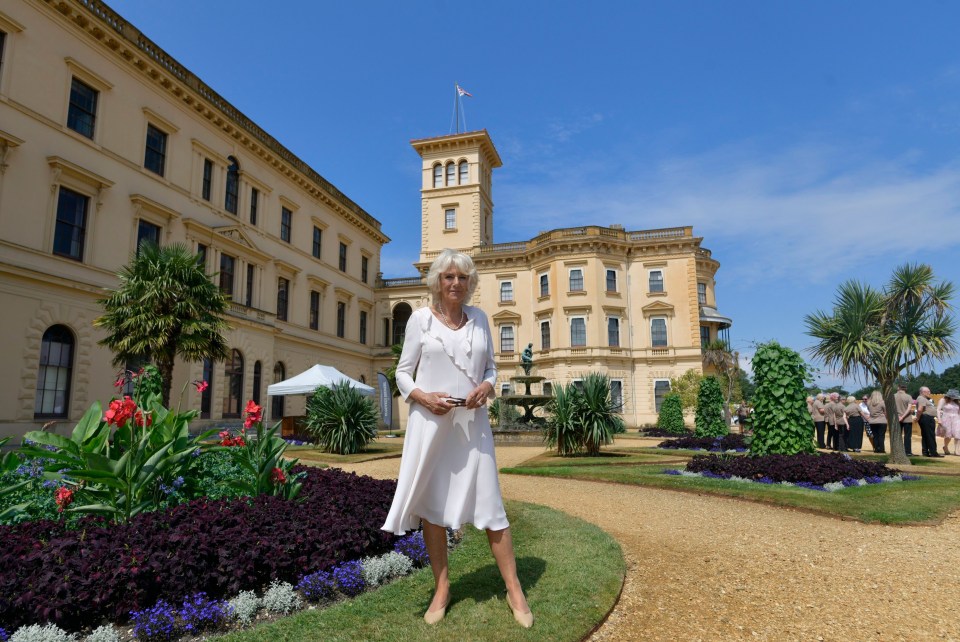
(671, 414)
(781, 422)
(213, 473)
(502, 414)
(583, 418)
(709, 420)
(341, 419)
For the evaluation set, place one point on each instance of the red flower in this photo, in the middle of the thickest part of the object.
(139, 415)
(121, 380)
(201, 385)
(277, 477)
(226, 439)
(120, 412)
(254, 414)
(64, 497)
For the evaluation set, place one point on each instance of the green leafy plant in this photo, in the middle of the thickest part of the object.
(561, 431)
(687, 386)
(261, 458)
(502, 414)
(709, 420)
(582, 418)
(781, 422)
(671, 414)
(342, 420)
(119, 475)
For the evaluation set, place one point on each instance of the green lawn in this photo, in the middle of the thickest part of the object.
(572, 573)
(927, 500)
(379, 449)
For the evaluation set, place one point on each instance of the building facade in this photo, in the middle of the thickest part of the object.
(634, 305)
(106, 140)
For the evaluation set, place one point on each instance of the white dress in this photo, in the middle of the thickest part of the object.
(448, 473)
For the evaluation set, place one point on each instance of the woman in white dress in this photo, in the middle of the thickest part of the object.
(448, 473)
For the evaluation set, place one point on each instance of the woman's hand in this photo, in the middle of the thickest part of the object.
(478, 396)
(435, 402)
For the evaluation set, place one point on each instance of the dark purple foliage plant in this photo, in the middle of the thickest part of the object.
(814, 469)
(94, 571)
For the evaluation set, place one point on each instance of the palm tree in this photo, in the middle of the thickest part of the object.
(880, 334)
(727, 364)
(165, 306)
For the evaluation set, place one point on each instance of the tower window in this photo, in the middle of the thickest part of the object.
(576, 280)
(578, 332)
(656, 281)
(464, 172)
(506, 291)
(438, 175)
(506, 338)
(451, 174)
(611, 280)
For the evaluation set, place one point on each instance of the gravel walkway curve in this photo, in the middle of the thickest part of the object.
(702, 567)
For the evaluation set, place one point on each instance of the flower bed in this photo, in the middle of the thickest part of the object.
(78, 577)
(815, 469)
(714, 444)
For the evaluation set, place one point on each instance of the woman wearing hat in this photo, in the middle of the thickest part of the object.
(948, 412)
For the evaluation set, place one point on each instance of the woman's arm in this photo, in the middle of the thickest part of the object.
(409, 358)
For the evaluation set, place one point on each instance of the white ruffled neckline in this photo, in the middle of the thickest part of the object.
(432, 326)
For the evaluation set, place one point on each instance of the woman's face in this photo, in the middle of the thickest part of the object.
(453, 286)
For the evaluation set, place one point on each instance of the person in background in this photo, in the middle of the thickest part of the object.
(948, 412)
(902, 401)
(743, 416)
(854, 436)
(819, 421)
(837, 421)
(926, 417)
(865, 413)
(878, 421)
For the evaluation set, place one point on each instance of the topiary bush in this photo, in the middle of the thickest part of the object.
(781, 422)
(342, 419)
(671, 415)
(709, 418)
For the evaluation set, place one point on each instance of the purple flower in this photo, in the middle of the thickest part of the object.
(318, 586)
(672, 471)
(414, 547)
(906, 477)
(156, 623)
(349, 577)
(200, 613)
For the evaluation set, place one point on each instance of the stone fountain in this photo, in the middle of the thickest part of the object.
(528, 400)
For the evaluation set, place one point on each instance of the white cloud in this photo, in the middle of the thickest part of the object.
(808, 213)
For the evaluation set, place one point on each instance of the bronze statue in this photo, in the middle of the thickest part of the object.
(526, 359)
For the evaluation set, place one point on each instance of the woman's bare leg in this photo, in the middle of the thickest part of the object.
(501, 545)
(435, 537)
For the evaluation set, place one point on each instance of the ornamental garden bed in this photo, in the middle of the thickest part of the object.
(79, 574)
(727, 443)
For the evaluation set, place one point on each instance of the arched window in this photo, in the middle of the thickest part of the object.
(438, 175)
(232, 196)
(451, 174)
(464, 172)
(56, 368)
(401, 314)
(207, 394)
(257, 376)
(233, 375)
(276, 406)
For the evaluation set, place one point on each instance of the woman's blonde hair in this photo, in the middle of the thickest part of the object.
(459, 260)
(851, 399)
(876, 397)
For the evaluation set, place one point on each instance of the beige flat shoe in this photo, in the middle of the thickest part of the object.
(523, 619)
(432, 617)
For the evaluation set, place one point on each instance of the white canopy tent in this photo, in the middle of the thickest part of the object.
(309, 380)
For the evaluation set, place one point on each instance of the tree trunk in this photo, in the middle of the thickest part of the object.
(165, 366)
(898, 455)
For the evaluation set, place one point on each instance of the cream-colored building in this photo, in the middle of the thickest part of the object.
(635, 305)
(105, 140)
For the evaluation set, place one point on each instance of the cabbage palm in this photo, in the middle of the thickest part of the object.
(164, 306)
(882, 334)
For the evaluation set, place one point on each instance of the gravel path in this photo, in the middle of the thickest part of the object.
(702, 567)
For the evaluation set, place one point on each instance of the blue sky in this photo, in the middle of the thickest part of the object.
(807, 142)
